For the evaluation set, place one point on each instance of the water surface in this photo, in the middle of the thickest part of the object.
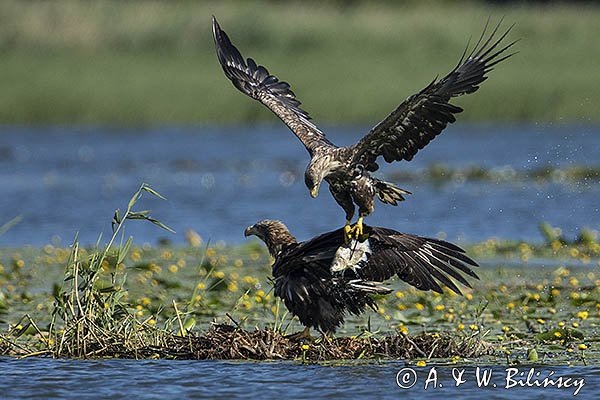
(220, 180)
(48, 378)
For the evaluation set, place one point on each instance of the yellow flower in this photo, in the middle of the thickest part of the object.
(573, 281)
(505, 329)
(473, 327)
(201, 286)
(469, 296)
(419, 306)
(460, 327)
(399, 295)
(561, 324)
(575, 325)
(151, 321)
(145, 301)
(574, 252)
(403, 329)
(439, 307)
(582, 315)
(218, 274)
(555, 292)
(540, 321)
(173, 268)
(510, 306)
(232, 287)
(305, 347)
(421, 363)
(238, 262)
(582, 347)
(557, 334)
(250, 280)
(136, 255)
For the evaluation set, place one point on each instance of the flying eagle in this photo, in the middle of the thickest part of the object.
(322, 279)
(409, 128)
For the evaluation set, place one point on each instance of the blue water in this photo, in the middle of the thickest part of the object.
(220, 180)
(104, 379)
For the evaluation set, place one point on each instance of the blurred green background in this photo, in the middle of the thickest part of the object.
(153, 62)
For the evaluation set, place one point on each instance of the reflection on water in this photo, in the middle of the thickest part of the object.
(47, 378)
(218, 181)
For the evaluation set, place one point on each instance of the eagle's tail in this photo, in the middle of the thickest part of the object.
(389, 193)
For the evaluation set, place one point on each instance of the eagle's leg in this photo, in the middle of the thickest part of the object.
(358, 228)
(344, 199)
(304, 334)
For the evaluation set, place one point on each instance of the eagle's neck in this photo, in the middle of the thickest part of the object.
(277, 239)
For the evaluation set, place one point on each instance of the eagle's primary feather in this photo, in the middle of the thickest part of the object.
(320, 295)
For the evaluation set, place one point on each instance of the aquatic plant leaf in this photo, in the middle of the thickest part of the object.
(152, 191)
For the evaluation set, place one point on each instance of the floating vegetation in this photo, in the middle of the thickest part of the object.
(441, 173)
(122, 300)
(227, 342)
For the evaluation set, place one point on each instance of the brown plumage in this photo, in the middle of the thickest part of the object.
(409, 128)
(322, 279)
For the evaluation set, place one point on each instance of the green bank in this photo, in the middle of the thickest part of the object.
(153, 62)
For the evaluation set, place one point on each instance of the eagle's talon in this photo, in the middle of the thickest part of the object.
(358, 229)
(301, 336)
(348, 233)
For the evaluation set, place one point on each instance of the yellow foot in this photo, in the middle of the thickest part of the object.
(355, 232)
(347, 232)
(304, 334)
(358, 228)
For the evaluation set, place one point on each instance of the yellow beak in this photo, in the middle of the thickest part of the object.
(314, 192)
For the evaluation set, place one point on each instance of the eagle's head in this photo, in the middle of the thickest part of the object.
(312, 183)
(274, 233)
(314, 174)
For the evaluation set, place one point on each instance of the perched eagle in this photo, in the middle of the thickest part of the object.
(324, 278)
(409, 128)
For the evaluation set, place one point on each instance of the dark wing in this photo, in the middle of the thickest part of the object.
(419, 261)
(424, 115)
(317, 252)
(255, 81)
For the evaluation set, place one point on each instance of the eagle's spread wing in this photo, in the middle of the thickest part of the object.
(421, 262)
(255, 81)
(422, 116)
(418, 261)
